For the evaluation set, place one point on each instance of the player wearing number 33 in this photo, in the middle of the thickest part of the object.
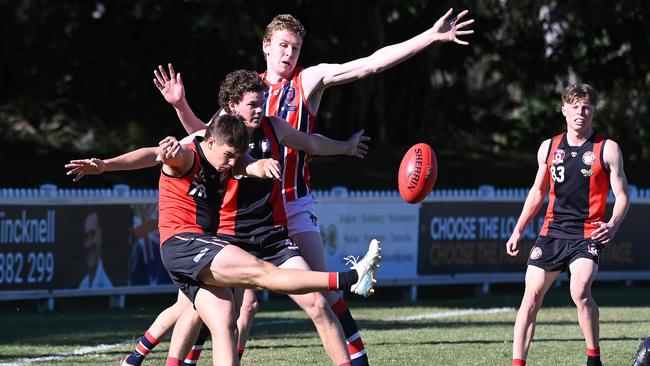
(577, 169)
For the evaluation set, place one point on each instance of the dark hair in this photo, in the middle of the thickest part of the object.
(575, 92)
(284, 22)
(229, 130)
(236, 84)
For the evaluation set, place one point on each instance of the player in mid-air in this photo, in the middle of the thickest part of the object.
(576, 169)
(294, 93)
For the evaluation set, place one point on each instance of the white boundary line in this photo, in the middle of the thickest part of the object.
(57, 356)
(452, 313)
(104, 347)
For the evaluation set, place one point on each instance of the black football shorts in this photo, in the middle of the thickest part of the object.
(555, 254)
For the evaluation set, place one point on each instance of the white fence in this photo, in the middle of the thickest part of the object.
(122, 194)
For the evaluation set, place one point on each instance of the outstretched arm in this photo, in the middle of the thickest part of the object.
(617, 180)
(446, 29)
(138, 159)
(316, 144)
(172, 89)
(534, 200)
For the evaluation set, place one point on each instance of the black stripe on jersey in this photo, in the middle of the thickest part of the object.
(207, 191)
(571, 204)
(254, 220)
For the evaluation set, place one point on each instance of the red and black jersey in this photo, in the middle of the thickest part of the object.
(287, 101)
(191, 203)
(252, 210)
(579, 184)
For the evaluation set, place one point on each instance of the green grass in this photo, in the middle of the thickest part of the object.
(461, 340)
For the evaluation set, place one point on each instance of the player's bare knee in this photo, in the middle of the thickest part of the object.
(531, 302)
(249, 308)
(316, 307)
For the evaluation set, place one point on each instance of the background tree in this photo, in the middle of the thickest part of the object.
(76, 80)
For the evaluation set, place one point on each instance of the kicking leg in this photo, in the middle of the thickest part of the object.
(233, 267)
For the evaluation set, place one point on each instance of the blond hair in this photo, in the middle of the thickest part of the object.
(575, 92)
(284, 22)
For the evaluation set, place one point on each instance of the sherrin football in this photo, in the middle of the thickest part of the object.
(417, 173)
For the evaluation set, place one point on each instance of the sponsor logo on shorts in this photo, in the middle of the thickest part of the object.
(593, 249)
(536, 253)
(588, 157)
(198, 257)
(587, 172)
(290, 244)
(314, 219)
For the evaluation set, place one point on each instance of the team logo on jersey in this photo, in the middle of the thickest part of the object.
(265, 145)
(197, 187)
(587, 172)
(558, 156)
(574, 154)
(588, 157)
(536, 253)
(289, 96)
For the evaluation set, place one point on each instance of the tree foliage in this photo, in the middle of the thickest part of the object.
(77, 75)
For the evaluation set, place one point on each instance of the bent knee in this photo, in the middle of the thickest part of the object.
(250, 308)
(316, 306)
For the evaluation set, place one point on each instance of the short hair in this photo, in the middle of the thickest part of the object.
(228, 130)
(236, 84)
(284, 22)
(575, 92)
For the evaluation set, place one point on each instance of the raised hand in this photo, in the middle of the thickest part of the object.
(82, 167)
(357, 147)
(171, 87)
(448, 27)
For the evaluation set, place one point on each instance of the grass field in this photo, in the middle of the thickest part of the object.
(430, 332)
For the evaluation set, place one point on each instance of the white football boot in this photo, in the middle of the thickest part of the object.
(366, 268)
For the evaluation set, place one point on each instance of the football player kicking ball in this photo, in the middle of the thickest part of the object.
(294, 94)
(578, 167)
(253, 215)
(241, 93)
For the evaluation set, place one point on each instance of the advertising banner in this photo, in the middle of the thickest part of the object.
(467, 237)
(59, 247)
(146, 264)
(347, 228)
